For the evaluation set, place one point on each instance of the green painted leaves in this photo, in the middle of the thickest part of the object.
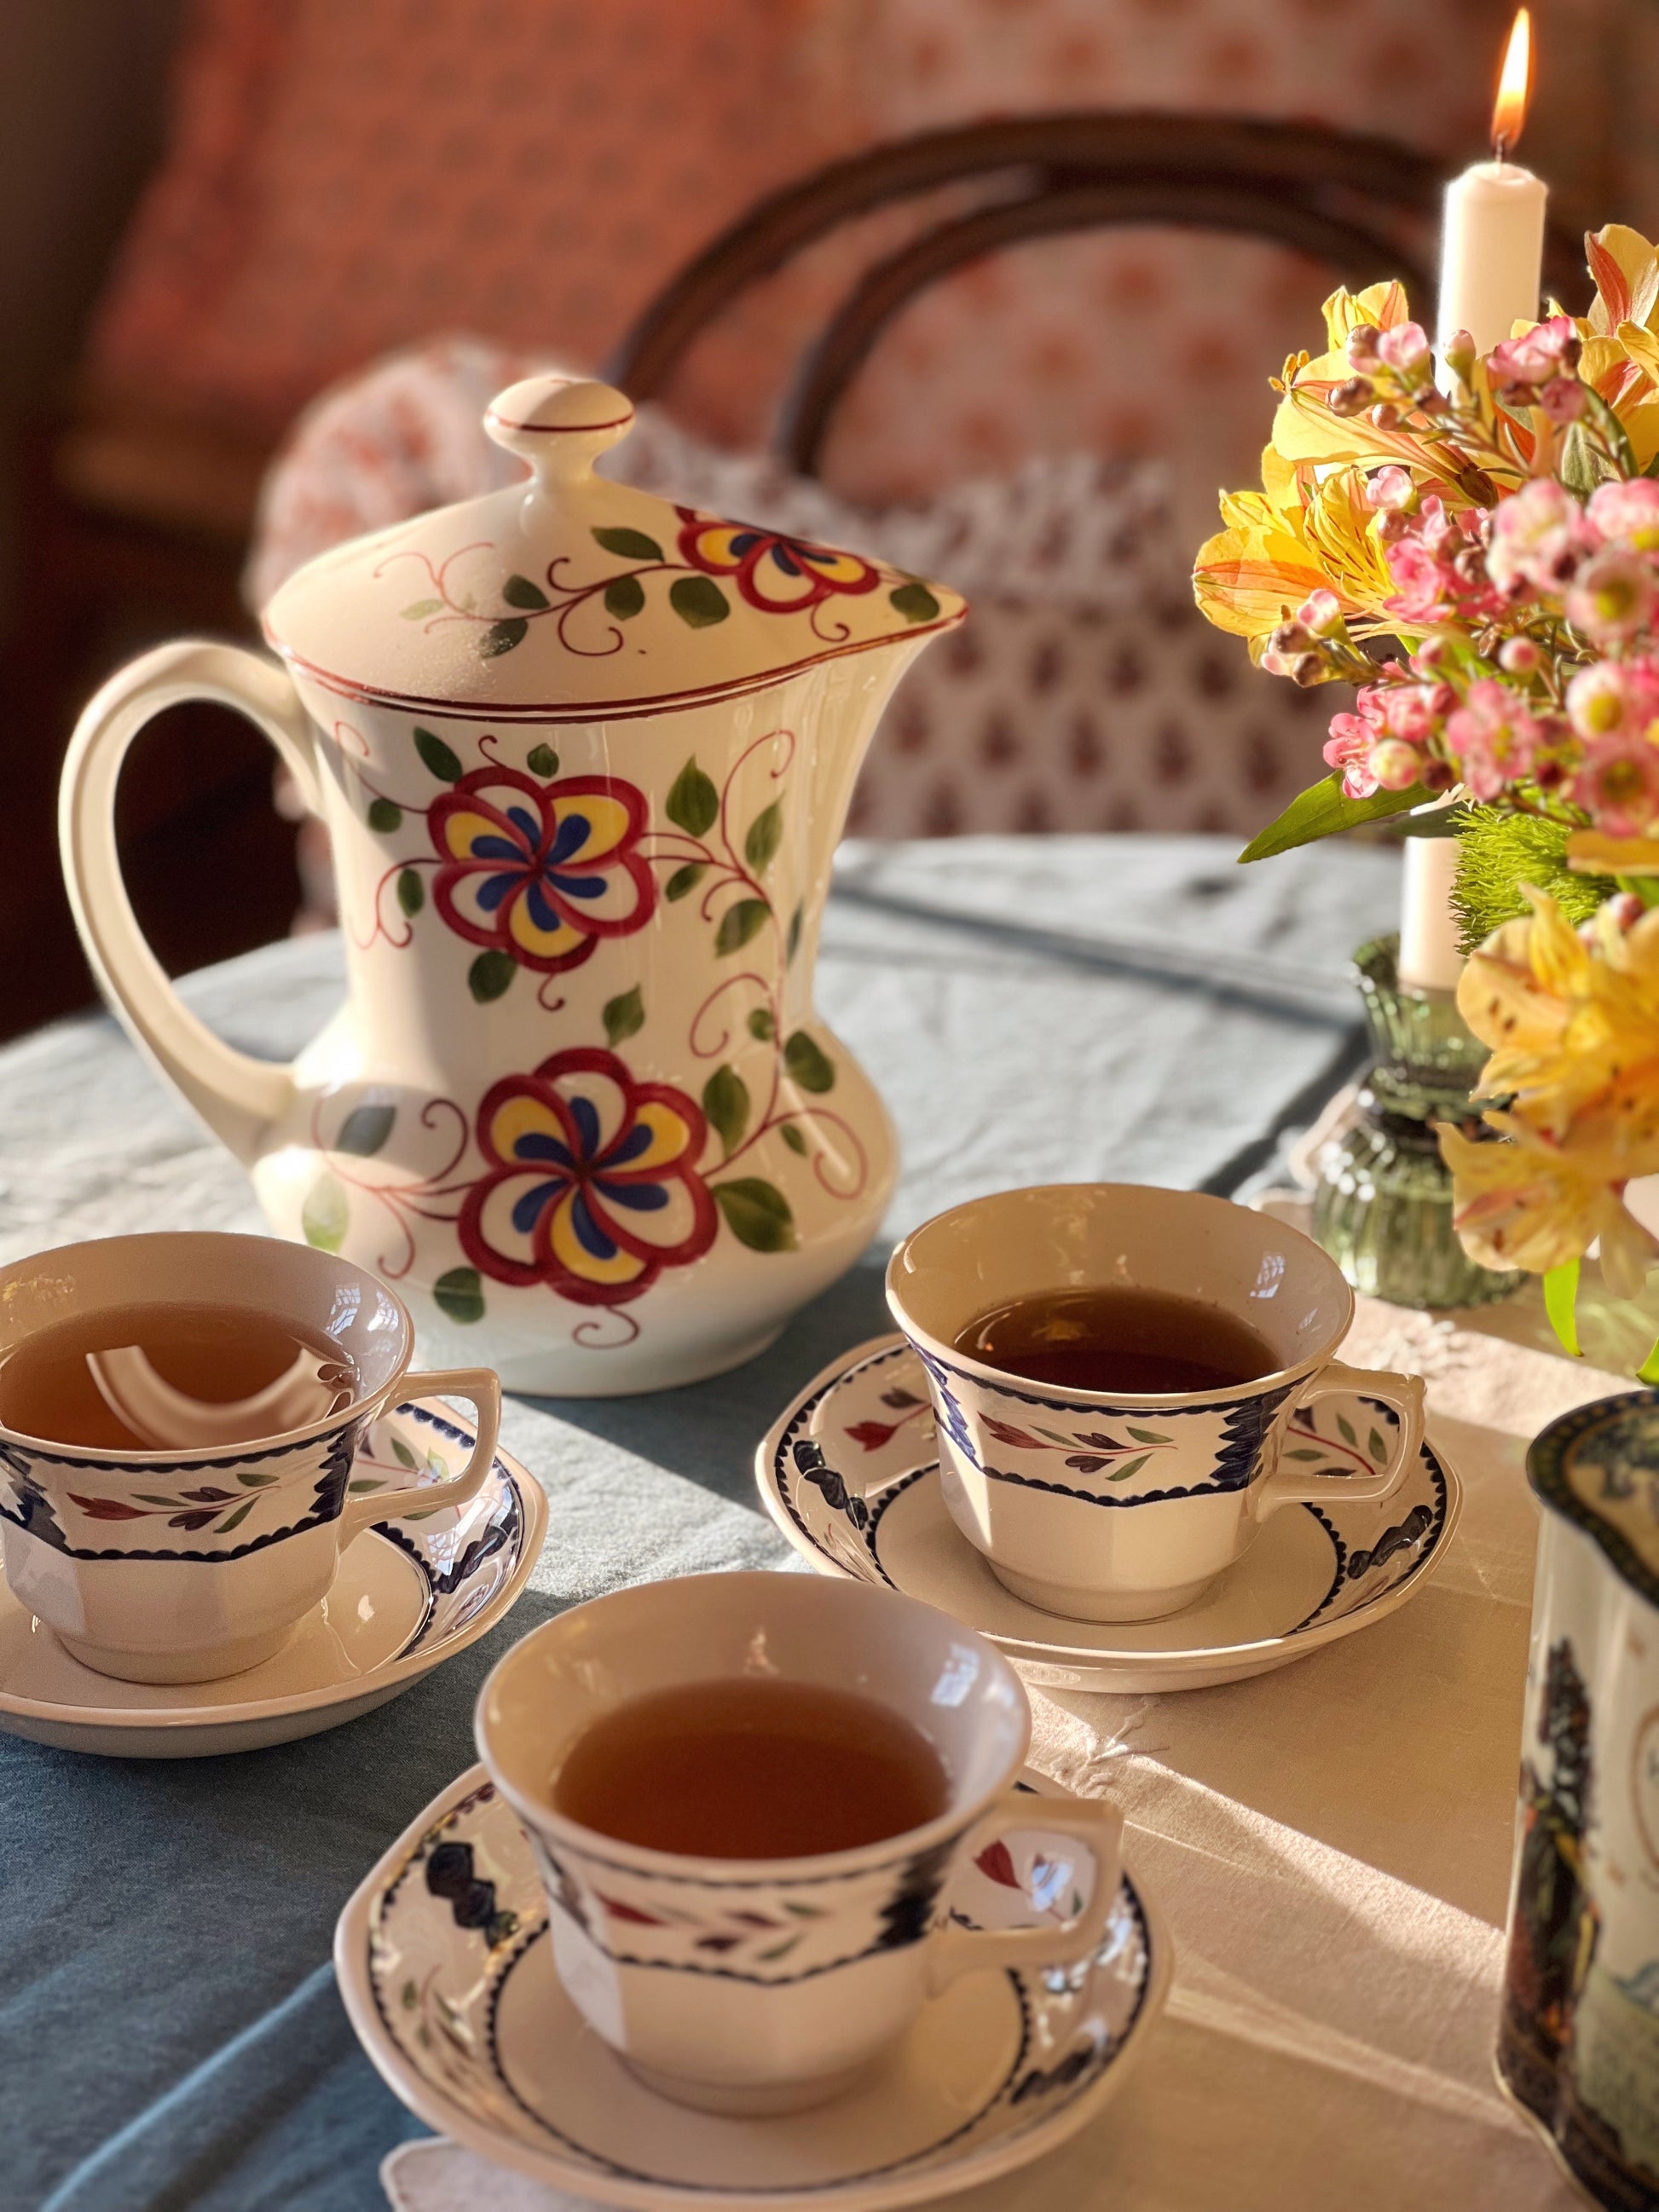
(490, 976)
(684, 880)
(460, 1295)
(808, 1064)
(726, 1102)
(501, 637)
(542, 761)
(384, 814)
(623, 1017)
(438, 758)
(692, 802)
(757, 1213)
(519, 592)
(915, 602)
(739, 923)
(325, 1215)
(629, 544)
(624, 598)
(765, 835)
(365, 1129)
(698, 601)
(418, 610)
(762, 1025)
(411, 891)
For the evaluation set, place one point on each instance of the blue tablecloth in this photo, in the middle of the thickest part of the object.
(1133, 1008)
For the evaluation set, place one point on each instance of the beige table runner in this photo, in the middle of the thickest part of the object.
(1330, 1845)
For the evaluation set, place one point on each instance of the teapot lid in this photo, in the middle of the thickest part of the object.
(573, 598)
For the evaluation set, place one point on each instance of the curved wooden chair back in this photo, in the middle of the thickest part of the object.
(1364, 206)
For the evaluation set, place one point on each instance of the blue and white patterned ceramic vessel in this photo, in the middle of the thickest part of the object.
(1102, 1506)
(446, 1967)
(1578, 2038)
(754, 1985)
(181, 1566)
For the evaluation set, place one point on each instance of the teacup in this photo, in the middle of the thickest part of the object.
(746, 1985)
(185, 1565)
(1107, 1506)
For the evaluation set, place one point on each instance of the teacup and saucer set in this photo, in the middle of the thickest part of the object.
(1103, 1540)
(216, 1596)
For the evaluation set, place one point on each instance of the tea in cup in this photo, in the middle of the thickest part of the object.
(748, 1794)
(179, 1414)
(1115, 1372)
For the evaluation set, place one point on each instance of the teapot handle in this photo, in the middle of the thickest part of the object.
(237, 1095)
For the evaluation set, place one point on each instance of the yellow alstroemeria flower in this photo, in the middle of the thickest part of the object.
(1259, 568)
(1531, 1205)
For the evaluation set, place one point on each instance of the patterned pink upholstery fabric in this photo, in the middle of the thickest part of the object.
(344, 179)
(1085, 692)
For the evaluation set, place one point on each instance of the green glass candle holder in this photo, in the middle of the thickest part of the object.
(1382, 1204)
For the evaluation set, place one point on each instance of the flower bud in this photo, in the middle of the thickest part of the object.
(1290, 639)
(1390, 528)
(1624, 908)
(1321, 614)
(1385, 416)
(1352, 397)
(1433, 653)
(1548, 775)
(1395, 764)
(1437, 776)
(1519, 656)
(1391, 489)
(1362, 346)
(1308, 669)
(1564, 399)
(1460, 354)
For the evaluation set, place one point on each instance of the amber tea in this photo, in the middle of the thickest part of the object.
(1123, 1340)
(751, 1770)
(209, 1355)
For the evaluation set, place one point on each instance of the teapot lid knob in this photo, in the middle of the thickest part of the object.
(560, 426)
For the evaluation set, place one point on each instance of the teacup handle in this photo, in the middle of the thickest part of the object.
(1100, 1827)
(481, 1387)
(1293, 1484)
(238, 1097)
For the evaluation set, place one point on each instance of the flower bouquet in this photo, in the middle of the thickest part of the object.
(1478, 553)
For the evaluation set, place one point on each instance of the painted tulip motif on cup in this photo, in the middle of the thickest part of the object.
(584, 757)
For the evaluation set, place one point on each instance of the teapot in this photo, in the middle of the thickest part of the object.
(583, 756)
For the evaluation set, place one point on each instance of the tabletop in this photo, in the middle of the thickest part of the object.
(1126, 1008)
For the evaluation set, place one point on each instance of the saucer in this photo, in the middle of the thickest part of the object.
(410, 1594)
(454, 1997)
(850, 1474)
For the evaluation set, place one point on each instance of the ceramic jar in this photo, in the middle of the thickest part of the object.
(585, 758)
(1578, 2039)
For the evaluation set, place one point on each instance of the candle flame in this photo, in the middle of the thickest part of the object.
(1509, 114)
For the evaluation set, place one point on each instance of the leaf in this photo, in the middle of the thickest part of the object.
(630, 544)
(110, 1509)
(623, 1017)
(780, 1950)
(490, 976)
(915, 602)
(364, 1130)
(411, 891)
(403, 1455)
(739, 924)
(757, 1214)
(698, 601)
(418, 610)
(500, 637)
(792, 943)
(440, 759)
(1134, 1467)
(1560, 1301)
(542, 761)
(684, 880)
(793, 1137)
(760, 1024)
(254, 1480)
(996, 1863)
(692, 802)
(460, 1295)
(519, 592)
(1649, 1370)
(726, 1102)
(1376, 1449)
(384, 814)
(1144, 1435)
(325, 1215)
(236, 1519)
(624, 598)
(808, 1064)
(1322, 811)
(1344, 1429)
(1307, 1452)
(765, 835)
(1007, 1433)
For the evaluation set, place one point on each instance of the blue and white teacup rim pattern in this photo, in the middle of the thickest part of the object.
(429, 1949)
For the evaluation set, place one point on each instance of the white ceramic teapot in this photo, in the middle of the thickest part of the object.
(584, 757)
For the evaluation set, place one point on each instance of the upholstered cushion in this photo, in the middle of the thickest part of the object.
(1085, 692)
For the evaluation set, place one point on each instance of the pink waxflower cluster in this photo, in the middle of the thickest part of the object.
(1540, 668)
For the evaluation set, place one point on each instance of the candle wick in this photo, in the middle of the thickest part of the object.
(1500, 147)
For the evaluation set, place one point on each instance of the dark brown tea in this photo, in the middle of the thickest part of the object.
(751, 1770)
(49, 1388)
(1127, 1341)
